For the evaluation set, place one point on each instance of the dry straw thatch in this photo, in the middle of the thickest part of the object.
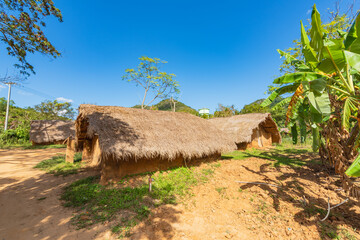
(127, 133)
(241, 127)
(51, 131)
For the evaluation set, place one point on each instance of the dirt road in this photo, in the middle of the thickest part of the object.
(29, 199)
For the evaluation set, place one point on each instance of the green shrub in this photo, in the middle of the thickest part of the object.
(57, 165)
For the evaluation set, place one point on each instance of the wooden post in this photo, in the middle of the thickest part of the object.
(87, 151)
(70, 150)
(95, 151)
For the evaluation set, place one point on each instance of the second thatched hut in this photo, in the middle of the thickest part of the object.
(45, 132)
(126, 141)
(253, 130)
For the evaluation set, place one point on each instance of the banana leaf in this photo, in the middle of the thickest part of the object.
(294, 134)
(353, 34)
(353, 59)
(320, 103)
(333, 54)
(279, 91)
(316, 139)
(318, 86)
(354, 169)
(297, 76)
(302, 126)
(316, 32)
(307, 50)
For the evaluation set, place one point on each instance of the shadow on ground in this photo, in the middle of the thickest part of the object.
(296, 189)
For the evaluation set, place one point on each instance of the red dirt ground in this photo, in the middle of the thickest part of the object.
(219, 209)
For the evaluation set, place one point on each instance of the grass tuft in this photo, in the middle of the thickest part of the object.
(57, 165)
(28, 145)
(279, 155)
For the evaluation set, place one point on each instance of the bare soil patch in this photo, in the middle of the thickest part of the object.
(29, 199)
(219, 209)
(224, 209)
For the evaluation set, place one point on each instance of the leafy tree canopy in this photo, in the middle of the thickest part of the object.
(21, 27)
(156, 83)
(55, 109)
(226, 111)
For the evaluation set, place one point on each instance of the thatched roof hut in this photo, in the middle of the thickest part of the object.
(43, 132)
(249, 130)
(134, 140)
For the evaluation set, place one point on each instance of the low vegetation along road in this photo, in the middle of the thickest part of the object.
(204, 202)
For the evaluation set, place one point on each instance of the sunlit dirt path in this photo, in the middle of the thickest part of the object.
(29, 199)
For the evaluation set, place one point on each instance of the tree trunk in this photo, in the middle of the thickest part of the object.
(339, 150)
(143, 101)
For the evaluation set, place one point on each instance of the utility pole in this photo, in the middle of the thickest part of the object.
(8, 105)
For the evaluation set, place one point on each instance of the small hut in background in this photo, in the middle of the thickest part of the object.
(284, 132)
(126, 141)
(253, 130)
(45, 132)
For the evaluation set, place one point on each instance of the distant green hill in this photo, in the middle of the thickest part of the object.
(165, 105)
(278, 115)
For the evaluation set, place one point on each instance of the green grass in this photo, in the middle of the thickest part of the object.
(328, 231)
(286, 142)
(28, 145)
(97, 203)
(278, 155)
(44, 146)
(57, 165)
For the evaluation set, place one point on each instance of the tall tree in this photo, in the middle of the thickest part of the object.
(156, 83)
(21, 29)
(226, 111)
(55, 109)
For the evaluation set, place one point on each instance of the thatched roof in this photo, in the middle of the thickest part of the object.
(50, 131)
(128, 133)
(241, 127)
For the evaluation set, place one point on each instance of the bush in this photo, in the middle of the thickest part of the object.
(22, 133)
(14, 136)
(9, 136)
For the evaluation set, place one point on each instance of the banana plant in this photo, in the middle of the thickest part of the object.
(330, 67)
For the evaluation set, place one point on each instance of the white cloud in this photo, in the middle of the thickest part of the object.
(61, 113)
(309, 11)
(62, 99)
(1, 87)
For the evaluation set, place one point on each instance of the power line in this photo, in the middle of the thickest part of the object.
(36, 92)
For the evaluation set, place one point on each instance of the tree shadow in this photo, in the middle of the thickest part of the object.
(289, 157)
(4, 181)
(114, 134)
(47, 132)
(31, 209)
(299, 193)
(158, 225)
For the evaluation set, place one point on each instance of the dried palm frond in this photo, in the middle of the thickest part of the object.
(293, 102)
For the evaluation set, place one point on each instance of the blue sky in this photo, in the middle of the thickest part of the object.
(221, 51)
